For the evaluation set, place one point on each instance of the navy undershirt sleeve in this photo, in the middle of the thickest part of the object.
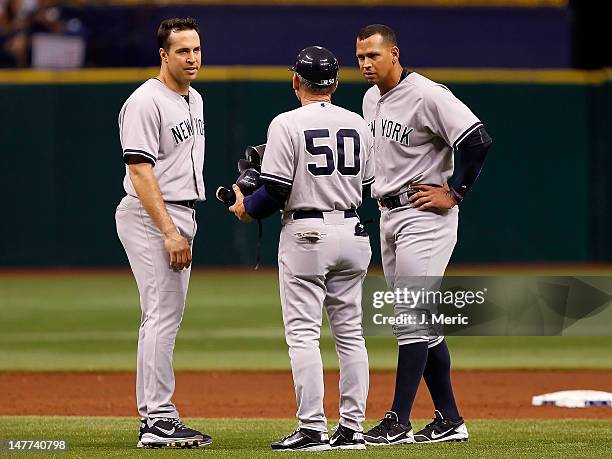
(266, 200)
(472, 153)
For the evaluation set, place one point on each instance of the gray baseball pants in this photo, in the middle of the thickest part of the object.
(162, 301)
(328, 273)
(416, 247)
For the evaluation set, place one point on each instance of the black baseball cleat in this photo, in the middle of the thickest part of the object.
(303, 440)
(160, 432)
(389, 432)
(143, 427)
(441, 429)
(345, 438)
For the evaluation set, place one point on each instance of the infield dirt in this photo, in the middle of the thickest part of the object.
(215, 394)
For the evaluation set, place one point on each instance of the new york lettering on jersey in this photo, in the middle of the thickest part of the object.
(415, 127)
(392, 130)
(185, 130)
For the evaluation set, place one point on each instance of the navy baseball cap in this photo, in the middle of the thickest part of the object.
(317, 65)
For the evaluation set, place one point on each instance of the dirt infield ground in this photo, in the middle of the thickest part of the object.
(482, 394)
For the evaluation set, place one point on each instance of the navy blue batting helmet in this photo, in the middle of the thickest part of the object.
(317, 65)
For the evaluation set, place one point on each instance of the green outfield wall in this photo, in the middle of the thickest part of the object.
(542, 196)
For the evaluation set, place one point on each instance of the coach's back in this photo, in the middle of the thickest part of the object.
(324, 153)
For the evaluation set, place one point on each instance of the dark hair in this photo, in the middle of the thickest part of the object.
(384, 31)
(168, 26)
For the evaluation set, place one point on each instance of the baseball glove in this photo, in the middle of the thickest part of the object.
(248, 180)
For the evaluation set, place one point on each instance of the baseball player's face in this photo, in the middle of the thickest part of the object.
(376, 58)
(184, 55)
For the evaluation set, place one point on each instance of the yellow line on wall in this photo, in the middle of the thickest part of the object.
(81, 76)
(526, 76)
(277, 74)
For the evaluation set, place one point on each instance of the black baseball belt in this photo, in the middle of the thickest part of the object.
(393, 202)
(191, 203)
(298, 214)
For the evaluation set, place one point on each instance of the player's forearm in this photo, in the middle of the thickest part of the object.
(150, 196)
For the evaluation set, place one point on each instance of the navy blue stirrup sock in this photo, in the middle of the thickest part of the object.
(411, 362)
(438, 379)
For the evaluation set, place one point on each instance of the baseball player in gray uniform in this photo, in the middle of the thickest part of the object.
(417, 125)
(161, 127)
(316, 162)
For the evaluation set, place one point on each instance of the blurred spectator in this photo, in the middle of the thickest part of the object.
(47, 18)
(13, 35)
(19, 19)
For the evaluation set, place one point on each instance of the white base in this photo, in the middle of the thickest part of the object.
(574, 399)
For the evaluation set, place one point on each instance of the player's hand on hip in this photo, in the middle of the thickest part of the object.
(432, 197)
(179, 250)
(238, 208)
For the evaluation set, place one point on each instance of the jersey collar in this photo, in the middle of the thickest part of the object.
(176, 94)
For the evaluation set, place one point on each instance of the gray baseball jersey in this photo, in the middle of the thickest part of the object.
(323, 152)
(416, 125)
(321, 147)
(160, 125)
